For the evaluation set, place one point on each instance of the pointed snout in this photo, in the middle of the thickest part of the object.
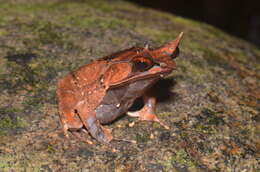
(169, 49)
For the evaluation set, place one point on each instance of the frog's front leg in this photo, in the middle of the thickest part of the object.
(147, 113)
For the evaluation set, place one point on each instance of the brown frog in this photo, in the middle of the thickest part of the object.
(101, 91)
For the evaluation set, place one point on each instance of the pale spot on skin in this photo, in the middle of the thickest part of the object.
(80, 103)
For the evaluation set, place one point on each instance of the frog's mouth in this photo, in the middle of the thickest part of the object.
(155, 72)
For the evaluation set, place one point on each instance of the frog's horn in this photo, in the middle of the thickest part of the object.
(169, 48)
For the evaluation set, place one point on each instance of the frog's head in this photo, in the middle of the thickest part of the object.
(141, 63)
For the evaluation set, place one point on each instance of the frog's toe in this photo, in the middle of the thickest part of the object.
(146, 114)
(103, 135)
(107, 134)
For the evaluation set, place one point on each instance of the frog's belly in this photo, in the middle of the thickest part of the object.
(118, 100)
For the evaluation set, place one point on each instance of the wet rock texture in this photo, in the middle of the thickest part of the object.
(211, 102)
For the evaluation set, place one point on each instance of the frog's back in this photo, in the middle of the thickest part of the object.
(72, 88)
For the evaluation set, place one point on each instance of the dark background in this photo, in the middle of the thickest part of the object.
(237, 17)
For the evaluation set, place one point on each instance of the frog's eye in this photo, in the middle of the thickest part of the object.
(142, 64)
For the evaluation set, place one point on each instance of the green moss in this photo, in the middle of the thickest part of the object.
(6, 19)
(167, 165)
(156, 35)
(184, 21)
(34, 78)
(204, 128)
(196, 73)
(2, 68)
(19, 77)
(31, 162)
(213, 59)
(51, 149)
(5, 162)
(142, 137)
(25, 7)
(33, 74)
(81, 14)
(22, 11)
(101, 5)
(212, 117)
(182, 159)
(96, 22)
(208, 121)
(34, 102)
(3, 32)
(7, 123)
(213, 32)
(192, 44)
(47, 32)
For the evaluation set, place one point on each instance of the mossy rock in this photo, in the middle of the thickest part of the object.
(211, 102)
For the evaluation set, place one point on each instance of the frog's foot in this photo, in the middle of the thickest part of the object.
(107, 134)
(147, 113)
(97, 131)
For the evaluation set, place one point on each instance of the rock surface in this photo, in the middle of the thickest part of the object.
(211, 102)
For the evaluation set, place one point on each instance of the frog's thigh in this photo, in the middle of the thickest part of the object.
(107, 113)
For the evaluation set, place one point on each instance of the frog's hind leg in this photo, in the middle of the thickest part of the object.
(97, 131)
(93, 125)
(147, 113)
(72, 123)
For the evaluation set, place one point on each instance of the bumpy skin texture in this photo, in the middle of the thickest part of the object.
(99, 92)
